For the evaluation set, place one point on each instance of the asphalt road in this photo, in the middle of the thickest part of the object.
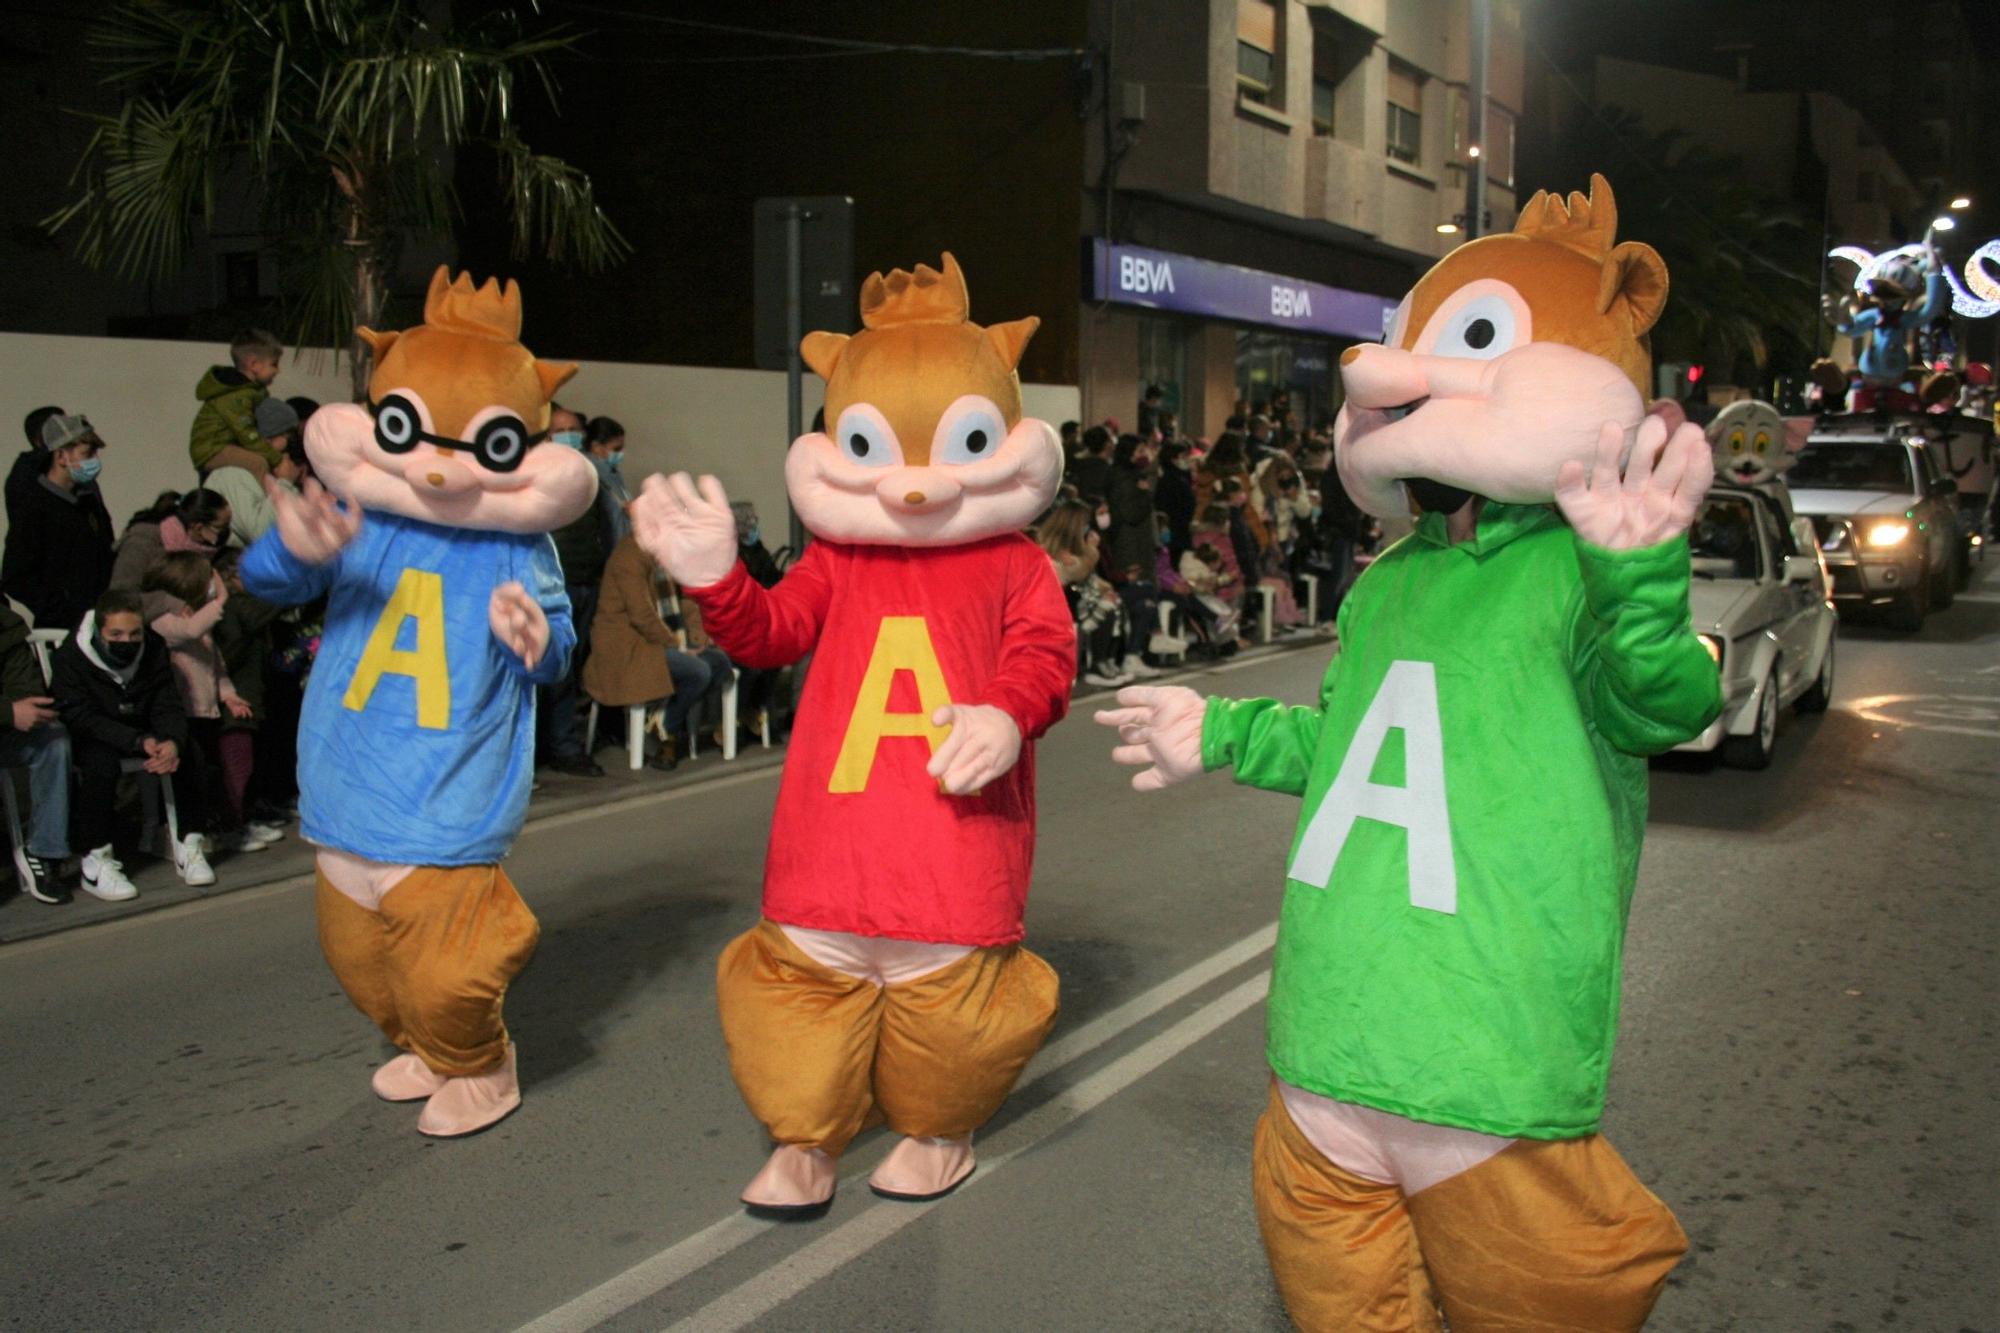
(1807, 1069)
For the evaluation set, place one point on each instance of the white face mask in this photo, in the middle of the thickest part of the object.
(1104, 522)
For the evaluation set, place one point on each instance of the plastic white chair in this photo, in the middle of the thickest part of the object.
(1312, 598)
(1267, 609)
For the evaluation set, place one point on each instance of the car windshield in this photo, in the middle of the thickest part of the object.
(1853, 465)
(1723, 540)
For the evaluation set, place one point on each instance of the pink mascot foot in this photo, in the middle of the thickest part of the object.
(467, 1105)
(919, 1169)
(795, 1185)
(406, 1079)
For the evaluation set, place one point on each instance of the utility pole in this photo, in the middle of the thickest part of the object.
(1475, 185)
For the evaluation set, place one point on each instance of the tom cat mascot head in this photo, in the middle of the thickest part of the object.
(1506, 361)
(456, 422)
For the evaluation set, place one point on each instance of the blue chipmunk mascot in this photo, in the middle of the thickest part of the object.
(416, 746)
(1895, 294)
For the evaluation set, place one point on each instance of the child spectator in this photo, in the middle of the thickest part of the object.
(115, 691)
(243, 637)
(58, 552)
(1218, 588)
(1068, 534)
(198, 522)
(32, 738)
(183, 601)
(238, 475)
(229, 396)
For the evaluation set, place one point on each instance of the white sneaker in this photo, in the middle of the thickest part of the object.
(1135, 668)
(103, 877)
(246, 839)
(1105, 677)
(191, 860)
(1166, 645)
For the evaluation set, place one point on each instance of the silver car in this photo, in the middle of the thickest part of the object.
(1760, 606)
(1885, 514)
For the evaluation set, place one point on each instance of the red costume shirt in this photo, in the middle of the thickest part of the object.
(864, 840)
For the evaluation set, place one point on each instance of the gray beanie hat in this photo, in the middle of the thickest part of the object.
(275, 417)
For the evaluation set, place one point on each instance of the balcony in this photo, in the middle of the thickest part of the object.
(1343, 184)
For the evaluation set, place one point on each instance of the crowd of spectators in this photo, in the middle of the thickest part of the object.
(137, 656)
(148, 660)
(1155, 518)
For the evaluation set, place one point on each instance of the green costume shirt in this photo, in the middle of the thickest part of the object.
(1475, 799)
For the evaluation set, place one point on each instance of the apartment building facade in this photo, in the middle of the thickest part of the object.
(1270, 176)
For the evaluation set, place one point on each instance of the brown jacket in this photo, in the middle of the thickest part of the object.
(628, 639)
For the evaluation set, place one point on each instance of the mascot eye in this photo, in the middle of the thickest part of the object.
(970, 429)
(1482, 329)
(1736, 442)
(501, 443)
(1762, 444)
(399, 423)
(864, 437)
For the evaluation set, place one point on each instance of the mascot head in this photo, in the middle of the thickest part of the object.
(925, 442)
(457, 416)
(1503, 363)
(1753, 444)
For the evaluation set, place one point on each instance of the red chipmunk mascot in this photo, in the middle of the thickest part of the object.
(887, 974)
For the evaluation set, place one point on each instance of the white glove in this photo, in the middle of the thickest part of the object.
(1160, 725)
(1664, 482)
(984, 743)
(312, 527)
(690, 534)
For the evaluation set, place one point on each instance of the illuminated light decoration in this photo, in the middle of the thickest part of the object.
(1982, 300)
(1870, 266)
(1695, 373)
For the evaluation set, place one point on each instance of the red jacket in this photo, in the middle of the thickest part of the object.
(864, 841)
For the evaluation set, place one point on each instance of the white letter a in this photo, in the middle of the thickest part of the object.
(1407, 701)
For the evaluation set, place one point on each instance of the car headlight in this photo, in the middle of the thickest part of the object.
(1712, 642)
(1888, 534)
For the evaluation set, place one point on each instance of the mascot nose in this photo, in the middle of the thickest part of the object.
(440, 475)
(917, 491)
(1382, 376)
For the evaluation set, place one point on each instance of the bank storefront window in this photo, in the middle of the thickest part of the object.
(1163, 360)
(1304, 369)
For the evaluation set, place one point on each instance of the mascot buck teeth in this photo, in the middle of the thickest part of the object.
(1445, 989)
(416, 746)
(886, 978)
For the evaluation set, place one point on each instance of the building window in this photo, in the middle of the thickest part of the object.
(1406, 115)
(1257, 74)
(1323, 93)
(1499, 146)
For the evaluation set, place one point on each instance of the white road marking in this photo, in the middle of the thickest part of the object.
(1931, 712)
(797, 1271)
(653, 1275)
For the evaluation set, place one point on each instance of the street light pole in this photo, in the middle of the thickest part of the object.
(1475, 186)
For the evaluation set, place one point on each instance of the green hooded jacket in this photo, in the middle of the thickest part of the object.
(1474, 788)
(227, 415)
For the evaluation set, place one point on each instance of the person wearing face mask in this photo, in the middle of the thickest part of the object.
(197, 521)
(115, 692)
(583, 545)
(1174, 495)
(604, 442)
(58, 552)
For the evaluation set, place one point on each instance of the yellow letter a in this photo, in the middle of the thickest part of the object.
(420, 595)
(903, 643)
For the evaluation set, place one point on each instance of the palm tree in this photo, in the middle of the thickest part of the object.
(1743, 267)
(349, 117)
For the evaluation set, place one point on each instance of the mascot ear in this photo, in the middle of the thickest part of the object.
(1796, 431)
(378, 343)
(822, 352)
(1634, 277)
(553, 375)
(1011, 338)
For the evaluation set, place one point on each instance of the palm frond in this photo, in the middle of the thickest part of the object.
(554, 209)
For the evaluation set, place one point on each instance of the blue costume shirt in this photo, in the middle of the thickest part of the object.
(416, 745)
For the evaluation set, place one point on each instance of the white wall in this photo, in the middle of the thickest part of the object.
(139, 393)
